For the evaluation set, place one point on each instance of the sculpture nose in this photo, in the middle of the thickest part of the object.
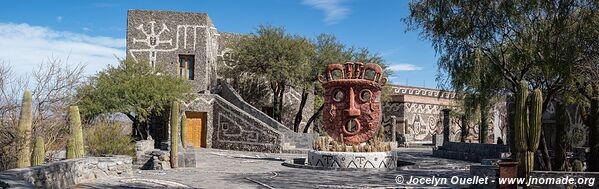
(352, 111)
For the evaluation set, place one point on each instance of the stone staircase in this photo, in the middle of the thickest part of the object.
(142, 162)
(291, 142)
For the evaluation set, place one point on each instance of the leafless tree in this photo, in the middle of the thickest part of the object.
(53, 85)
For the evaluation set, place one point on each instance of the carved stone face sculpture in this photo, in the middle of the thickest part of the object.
(352, 106)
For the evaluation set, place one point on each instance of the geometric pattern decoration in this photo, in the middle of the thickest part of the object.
(367, 160)
(401, 90)
(422, 121)
(236, 130)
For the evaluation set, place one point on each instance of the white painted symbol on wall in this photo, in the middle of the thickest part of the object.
(156, 42)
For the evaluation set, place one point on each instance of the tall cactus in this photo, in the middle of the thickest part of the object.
(534, 126)
(25, 122)
(174, 134)
(521, 125)
(75, 142)
(39, 152)
(184, 131)
(527, 127)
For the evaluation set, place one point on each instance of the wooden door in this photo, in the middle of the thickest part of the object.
(195, 135)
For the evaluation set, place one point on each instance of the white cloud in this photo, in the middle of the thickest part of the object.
(25, 47)
(390, 52)
(404, 67)
(333, 9)
(59, 18)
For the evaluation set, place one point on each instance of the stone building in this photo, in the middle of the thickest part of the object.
(419, 116)
(190, 46)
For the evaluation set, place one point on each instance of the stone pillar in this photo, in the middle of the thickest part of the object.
(446, 125)
(393, 128)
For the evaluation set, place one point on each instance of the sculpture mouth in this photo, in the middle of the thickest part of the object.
(352, 127)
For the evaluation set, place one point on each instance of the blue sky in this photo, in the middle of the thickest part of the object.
(93, 32)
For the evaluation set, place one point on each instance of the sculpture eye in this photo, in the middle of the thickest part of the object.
(338, 96)
(365, 95)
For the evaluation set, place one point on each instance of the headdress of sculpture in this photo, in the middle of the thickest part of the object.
(352, 105)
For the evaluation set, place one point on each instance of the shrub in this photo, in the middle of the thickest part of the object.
(106, 138)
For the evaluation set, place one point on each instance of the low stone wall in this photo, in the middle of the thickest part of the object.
(66, 173)
(144, 146)
(474, 152)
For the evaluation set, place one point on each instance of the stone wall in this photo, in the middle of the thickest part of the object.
(143, 147)
(159, 37)
(470, 151)
(420, 117)
(203, 103)
(66, 173)
(230, 127)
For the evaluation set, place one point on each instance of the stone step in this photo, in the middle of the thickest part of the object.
(456, 155)
(296, 150)
(142, 159)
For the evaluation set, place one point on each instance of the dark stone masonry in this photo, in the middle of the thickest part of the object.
(67, 173)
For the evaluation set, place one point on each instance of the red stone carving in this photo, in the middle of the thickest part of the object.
(352, 105)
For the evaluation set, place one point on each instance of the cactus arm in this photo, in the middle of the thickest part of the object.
(39, 152)
(534, 126)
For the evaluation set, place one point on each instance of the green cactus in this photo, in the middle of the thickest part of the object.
(39, 152)
(174, 134)
(70, 152)
(521, 127)
(534, 130)
(527, 127)
(578, 166)
(521, 119)
(75, 142)
(184, 131)
(25, 122)
(534, 126)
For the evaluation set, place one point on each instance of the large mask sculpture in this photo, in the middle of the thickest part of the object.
(352, 105)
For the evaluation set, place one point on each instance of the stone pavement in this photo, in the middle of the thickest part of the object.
(235, 169)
